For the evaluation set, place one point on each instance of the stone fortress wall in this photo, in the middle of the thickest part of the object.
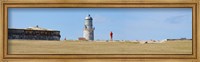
(28, 34)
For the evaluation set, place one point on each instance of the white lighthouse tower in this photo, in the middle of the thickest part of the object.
(88, 32)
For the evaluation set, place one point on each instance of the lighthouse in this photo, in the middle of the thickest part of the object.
(88, 32)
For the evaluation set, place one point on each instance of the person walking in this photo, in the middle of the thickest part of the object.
(111, 36)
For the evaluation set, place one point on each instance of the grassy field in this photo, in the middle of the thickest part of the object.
(69, 47)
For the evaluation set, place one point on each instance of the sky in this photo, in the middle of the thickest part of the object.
(125, 23)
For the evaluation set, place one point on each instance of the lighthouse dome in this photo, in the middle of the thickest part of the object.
(88, 17)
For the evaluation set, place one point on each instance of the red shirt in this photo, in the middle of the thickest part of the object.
(111, 33)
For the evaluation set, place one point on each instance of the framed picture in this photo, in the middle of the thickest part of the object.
(57, 31)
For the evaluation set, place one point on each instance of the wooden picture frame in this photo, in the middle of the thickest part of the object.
(5, 4)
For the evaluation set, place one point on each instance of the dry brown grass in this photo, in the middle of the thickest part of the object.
(66, 47)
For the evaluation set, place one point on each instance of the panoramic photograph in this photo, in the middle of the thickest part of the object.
(99, 31)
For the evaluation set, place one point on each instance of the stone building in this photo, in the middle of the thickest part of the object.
(177, 39)
(88, 32)
(33, 33)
